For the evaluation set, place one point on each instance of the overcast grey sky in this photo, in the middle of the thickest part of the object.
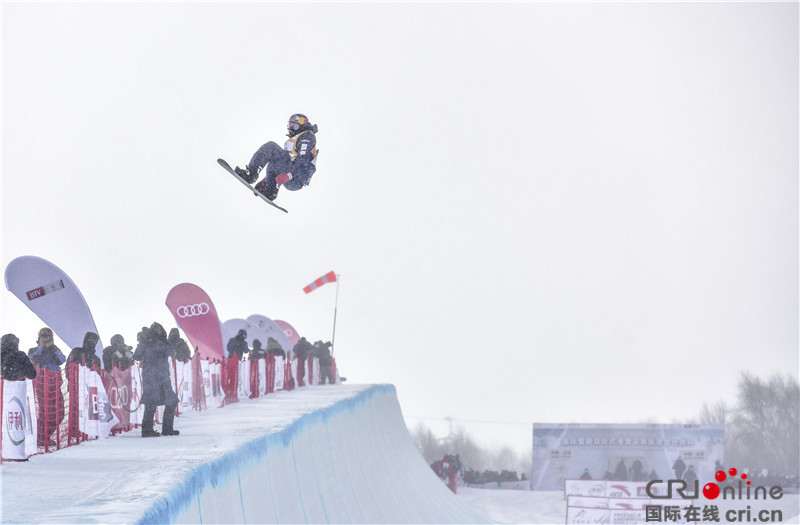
(550, 212)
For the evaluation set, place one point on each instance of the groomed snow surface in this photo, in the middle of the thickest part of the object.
(324, 454)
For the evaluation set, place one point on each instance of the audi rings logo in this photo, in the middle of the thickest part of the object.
(192, 310)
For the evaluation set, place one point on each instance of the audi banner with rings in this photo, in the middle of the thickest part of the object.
(195, 314)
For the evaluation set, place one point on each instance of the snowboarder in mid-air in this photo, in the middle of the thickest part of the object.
(291, 166)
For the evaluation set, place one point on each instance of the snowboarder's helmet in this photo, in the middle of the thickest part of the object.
(296, 121)
(46, 333)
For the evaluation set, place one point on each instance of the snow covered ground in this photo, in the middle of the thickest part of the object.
(326, 454)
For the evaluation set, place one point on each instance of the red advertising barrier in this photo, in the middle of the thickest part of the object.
(57, 396)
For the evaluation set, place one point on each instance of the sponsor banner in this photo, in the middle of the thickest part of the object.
(195, 314)
(271, 329)
(232, 327)
(621, 452)
(118, 385)
(243, 390)
(279, 373)
(315, 371)
(587, 515)
(587, 502)
(136, 409)
(96, 418)
(212, 383)
(626, 489)
(585, 487)
(19, 420)
(262, 377)
(183, 375)
(289, 330)
(293, 369)
(50, 294)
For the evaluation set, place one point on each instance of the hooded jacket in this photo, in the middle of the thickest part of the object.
(237, 346)
(15, 364)
(85, 355)
(154, 353)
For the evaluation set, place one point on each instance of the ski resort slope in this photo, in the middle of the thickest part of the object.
(326, 454)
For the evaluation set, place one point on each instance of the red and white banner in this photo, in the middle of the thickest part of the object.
(329, 277)
(196, 316)
(289, 330)
(19, 420)
(243, 390)
(96, 418)
(279, 373)
(183, 374)
(53, 297)
(119, 387)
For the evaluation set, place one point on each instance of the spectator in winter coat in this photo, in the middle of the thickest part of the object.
(182, 351)
(47, 386)
(679, 467)
(257, 352)
(153, 352)
(118, 354)
(586, 474)
(237, 345)
(275, 348)
(15, 364)
(303, 350)
(85, 355)
(690, 477)
(621, 472)
(323, 351)
(46, 354)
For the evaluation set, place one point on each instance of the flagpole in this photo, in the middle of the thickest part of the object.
(335, 308)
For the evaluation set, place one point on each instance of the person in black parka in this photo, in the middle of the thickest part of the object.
(153, 352)
(182, 351)
(275, 348)
(323, 351)
(257, 352)
(118, 354)
(15, 364)
(85, 355)
(237, 345)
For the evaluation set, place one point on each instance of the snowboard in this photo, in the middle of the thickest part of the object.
(228, 168)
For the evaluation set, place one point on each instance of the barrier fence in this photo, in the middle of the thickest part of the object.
(59, 409)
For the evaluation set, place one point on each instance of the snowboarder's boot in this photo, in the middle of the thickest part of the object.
(270, 191)
(250, 175)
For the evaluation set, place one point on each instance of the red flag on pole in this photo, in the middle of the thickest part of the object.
(329, 277)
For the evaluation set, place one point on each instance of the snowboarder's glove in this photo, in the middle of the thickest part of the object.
(283, 178)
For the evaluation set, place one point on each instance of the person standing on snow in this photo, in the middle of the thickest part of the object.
(85, 355)
(15, 364)
(49, 398)
(118, 354)
(153, 352)
(237, 345)
(291, 166)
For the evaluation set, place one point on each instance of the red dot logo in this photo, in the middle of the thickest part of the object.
(711, 490)
(720, 476)
(732, 472)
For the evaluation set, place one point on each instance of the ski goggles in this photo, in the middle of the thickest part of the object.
(294, 126)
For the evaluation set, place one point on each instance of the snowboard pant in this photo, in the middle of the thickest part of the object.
(277, 161)
(150, 413)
